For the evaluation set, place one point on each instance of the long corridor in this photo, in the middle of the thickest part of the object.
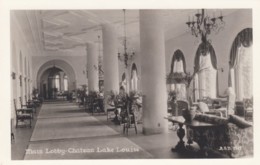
(65, 131)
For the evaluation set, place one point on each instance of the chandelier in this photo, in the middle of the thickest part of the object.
(202, 25)
(125, 56)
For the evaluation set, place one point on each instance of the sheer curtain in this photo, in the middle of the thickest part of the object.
(179, 88)
(207, 77)
(241, 74)
(134, 80)
(241, 65)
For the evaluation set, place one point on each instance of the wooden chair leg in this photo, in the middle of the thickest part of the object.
(135, 128)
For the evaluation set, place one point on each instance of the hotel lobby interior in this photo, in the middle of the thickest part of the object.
(131, 84)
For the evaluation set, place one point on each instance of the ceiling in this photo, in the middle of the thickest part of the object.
(68, 30)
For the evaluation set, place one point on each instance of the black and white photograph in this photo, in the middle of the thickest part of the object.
(131, 83)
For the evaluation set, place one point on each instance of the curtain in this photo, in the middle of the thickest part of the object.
(243, 73)
(134, 80)
(180, 88)
(178, 66)
(207, 78)
(196, 87)
(241, 70)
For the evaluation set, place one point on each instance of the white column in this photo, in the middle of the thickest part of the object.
(111, 74)
(92, 66)
(153, 73)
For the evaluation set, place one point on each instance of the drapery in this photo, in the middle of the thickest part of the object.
(178, 66)
(134, 80)
(196, 87)
(205, 80)
(241, 74)
(241, 70)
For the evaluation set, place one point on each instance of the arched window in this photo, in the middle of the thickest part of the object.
(134, 78)
(57, 82)
(178, 72)
(205, 80)
(241, 69)
(65, 82)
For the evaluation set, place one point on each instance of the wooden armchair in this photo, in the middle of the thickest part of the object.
(21, 103)
(23, 114)
(181, 105)
(129, 118)
(27, 106)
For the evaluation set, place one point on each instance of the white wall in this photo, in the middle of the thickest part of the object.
(19, 46)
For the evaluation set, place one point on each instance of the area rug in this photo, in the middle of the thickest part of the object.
(67, 122)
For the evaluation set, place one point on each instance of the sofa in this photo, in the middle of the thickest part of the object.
(231, 137)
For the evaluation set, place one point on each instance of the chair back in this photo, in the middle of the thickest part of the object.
(248, 103)
(181, 105)
(21, 101)
(25, 97)
(239, 108)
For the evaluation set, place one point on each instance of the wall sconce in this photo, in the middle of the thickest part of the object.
(13, 75)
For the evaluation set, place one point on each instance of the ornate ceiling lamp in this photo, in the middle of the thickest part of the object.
(202, 25)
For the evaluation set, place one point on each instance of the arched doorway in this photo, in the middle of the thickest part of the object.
(56, 79)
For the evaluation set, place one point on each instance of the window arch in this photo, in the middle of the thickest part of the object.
(205, 79)
(177, 75)
(178, 62)
(241, 69)
(134, 78)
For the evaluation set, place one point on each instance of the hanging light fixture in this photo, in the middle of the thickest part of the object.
(202, 25)
(125, 56)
